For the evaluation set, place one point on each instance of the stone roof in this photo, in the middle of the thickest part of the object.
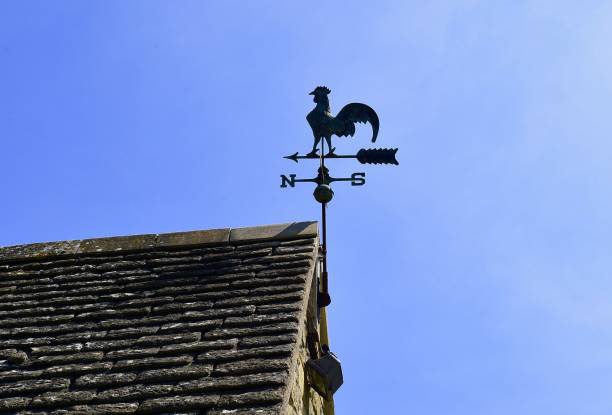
(202, 322)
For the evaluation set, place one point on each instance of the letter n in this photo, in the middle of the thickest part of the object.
(288, 180)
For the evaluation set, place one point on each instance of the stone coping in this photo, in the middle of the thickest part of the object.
(35, 251)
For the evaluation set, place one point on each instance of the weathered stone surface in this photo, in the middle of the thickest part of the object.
(39, 250)
(112, 409)
(167, 339)
(59, 349)
(109, 344)
(152, 362)
(302, 398)
(21, 343)
(277, 308)
(132, 353)
(135, 392)
(86, 357)
(276, 232)
(251, 398)
(112, 313)
(151, 301)
(34, 321)
(252, 410)
(207, 237)
(231, 355)
(257, 245)
(199, 346)
(14, 404)
(177, 403)
(283, 250)
(280, 328)
(77, 369)
(26, 387)
(218, 313)
(271, 298)
(117, 244)
(117, 324)
(54, 399)
(174, 374)
(43, 331)
(293, 288)
(27, 312)
(132, 332)
(243, 367)
(203, 296)
(84, 336)
(267, 340)
(14, 356)
(191, 326)
(233, 383)
(155, 323)
(277, 280)
(17, 374)
(174, 307)
(260, 320)
(105, 379)
(272, 261)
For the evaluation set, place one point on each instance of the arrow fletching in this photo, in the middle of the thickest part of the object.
(377, 156)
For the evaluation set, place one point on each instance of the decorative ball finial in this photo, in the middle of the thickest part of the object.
(323, 193)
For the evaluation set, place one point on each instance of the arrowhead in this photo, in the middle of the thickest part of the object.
(293, 157)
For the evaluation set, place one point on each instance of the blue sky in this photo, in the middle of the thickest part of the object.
(472, 279)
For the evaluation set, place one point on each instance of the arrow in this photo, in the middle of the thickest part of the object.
(364, 156)
(295, 157)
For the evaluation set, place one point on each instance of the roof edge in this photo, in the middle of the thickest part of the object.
(225, 236)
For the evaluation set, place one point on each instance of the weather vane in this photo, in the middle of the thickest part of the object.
(324, 125)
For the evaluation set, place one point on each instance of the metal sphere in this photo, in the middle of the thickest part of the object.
(323, 193)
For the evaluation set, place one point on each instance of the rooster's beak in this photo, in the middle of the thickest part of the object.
(311, 93)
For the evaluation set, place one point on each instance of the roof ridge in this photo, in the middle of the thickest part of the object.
(144, 242)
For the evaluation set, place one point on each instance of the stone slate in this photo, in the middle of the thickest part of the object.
(201, 322)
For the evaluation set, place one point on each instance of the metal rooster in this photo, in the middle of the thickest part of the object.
(324, 124)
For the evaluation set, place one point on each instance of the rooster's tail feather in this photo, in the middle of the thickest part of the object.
(356, 112)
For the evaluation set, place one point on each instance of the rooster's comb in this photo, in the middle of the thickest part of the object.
(323, 89)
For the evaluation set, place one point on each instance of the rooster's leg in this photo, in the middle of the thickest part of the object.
(314, 147)
(329, 145)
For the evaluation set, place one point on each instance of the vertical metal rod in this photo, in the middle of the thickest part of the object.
(325, 298)
(324, 281)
